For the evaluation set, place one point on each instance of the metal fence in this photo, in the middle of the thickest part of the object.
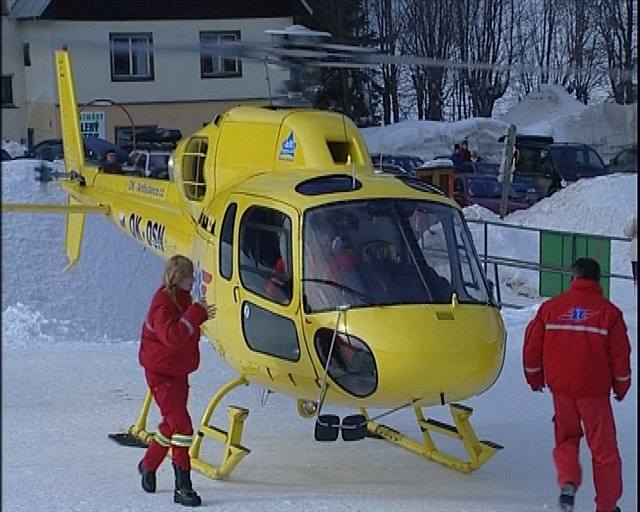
(498, 261)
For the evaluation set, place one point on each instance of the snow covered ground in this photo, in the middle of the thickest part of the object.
(70, 376)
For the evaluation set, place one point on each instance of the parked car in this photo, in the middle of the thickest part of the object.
(550, 166)
(624, 161)
(152, 163)
(407, 162)
(522, 188)
(95, 150)
(484, 190)
(5, 155)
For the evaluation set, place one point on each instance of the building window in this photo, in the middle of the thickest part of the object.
(131, 57)
(212, 64)
(7, 91)
(26, 54)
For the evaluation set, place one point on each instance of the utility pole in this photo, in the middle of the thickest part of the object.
(506, 165)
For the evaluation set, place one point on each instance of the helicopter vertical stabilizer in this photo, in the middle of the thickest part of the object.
(69, 119)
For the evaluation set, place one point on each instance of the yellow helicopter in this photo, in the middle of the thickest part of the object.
(334, 285)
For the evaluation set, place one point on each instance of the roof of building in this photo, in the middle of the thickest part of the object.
(123, 10)
(28, 9)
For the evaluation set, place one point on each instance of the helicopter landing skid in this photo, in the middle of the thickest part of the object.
(234, 452)
(479, 451)
(137, 434)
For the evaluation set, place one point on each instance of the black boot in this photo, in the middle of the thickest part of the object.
(184, 493)
(148, 478)
(567, 497)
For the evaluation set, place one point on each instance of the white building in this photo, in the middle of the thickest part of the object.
(148, 57)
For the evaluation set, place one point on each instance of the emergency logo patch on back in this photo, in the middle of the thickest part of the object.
(578, 314)
(288, 148)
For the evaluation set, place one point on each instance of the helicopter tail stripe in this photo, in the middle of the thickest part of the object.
(69, 118)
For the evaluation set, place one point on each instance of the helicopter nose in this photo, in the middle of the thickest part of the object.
(426, 355)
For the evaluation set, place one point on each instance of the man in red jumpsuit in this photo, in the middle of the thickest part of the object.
(577, 344)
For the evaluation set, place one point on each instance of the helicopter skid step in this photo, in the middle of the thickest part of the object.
(478, 451)
(234, 452)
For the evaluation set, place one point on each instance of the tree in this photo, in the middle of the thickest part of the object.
(616, 26)
(428, 32)
(485, 35)
(344, 90)
(385, 21)
(582, 47)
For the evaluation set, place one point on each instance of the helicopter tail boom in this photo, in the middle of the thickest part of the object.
(69, 118)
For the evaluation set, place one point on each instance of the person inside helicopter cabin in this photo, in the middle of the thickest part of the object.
(169, 352)
(326, 258)
(464, 151)
(112, 165)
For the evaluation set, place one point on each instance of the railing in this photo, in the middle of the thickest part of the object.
(526, 264)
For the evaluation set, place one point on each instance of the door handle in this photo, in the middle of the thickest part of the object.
(235, 294)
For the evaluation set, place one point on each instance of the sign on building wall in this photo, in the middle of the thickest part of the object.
(92, 125)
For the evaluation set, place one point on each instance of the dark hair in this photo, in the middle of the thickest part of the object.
(586, 268)
(456, 146)
(465, 141)
(111, 152)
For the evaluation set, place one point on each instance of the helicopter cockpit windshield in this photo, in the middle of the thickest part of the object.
(388, 251)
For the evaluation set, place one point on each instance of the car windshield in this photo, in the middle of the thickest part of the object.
(487, 168)
(484, 187)
(158, 162)
(388, 251)
(571, 161)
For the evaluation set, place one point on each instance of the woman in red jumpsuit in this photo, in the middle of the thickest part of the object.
(169, 353)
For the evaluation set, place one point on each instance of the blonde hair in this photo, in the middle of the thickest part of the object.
(177, 268)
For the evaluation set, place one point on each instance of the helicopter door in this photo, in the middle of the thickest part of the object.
(260, 279)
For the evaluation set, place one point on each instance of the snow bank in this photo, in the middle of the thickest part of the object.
(428, 139)
(552, 111)
(13, 148)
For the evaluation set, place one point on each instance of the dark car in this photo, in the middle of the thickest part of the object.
(95, 150)
(550, 166)
(624, 161)
(522, 188)
(5, 155)
(484, 190)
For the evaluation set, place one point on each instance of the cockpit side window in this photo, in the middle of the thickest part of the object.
(226, 241)
(265, 254)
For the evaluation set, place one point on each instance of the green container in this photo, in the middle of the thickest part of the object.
(561, 250)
